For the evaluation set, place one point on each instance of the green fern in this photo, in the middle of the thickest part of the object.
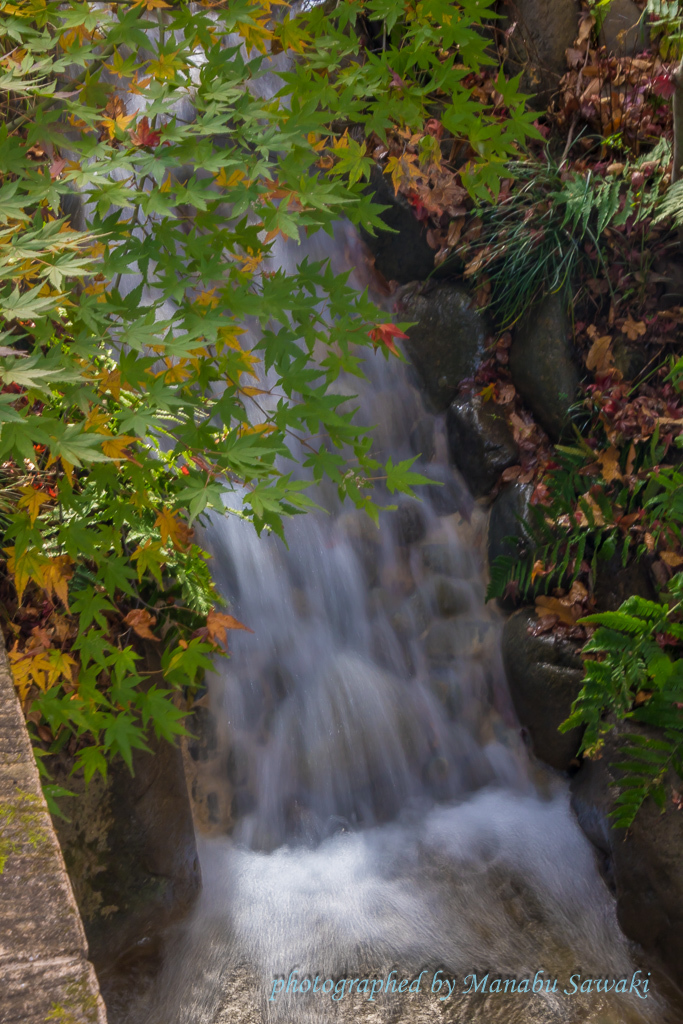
(633, 677)
(532, 241)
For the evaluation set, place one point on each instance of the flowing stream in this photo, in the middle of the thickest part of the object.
(367, 805)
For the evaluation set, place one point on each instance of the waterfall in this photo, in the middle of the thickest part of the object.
(366, 804)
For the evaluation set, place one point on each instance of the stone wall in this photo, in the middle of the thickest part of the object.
(44, 970)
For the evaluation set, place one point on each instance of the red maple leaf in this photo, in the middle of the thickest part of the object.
(384, 334)
(143, 135)
(664, 85)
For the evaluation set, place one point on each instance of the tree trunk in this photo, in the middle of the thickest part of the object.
(677, 172)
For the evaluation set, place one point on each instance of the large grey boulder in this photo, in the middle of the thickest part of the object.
(448, 340)
(129, 847)
(644, 865)
(510, 524)
(402, 254)
(480, 442)
(624, 30)
(545, 676)
(544, 30)
(542, 365)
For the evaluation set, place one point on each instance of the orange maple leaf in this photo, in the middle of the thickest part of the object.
(141, 622)
(143, 135)
(218, 624)
(384, 334)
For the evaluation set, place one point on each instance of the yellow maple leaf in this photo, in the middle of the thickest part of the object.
(209, 299)
(29, 669)
(255, 428)
(61, 665)
(121, 122)
(255, 34)
(224, 181)
(165, 66)
(96, 419)
(228, 337)
(250, 392)
(149, 4)
(110, 381)
(24, 568)
(56, 573)
(175, 529)
(176, 372)
(32, 499)
(402, 169)
(115, 447)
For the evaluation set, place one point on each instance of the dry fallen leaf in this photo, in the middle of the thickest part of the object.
(565, 611)
(218, 624)
(609, 464)
(671, 558)
(599, 358)
(633, 329)
(141, 622)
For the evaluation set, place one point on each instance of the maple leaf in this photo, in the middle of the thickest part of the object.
(115, 447)
(25, 567)
(175, 529)
(402, 169)
(633, 329)
(565, 609)
(671, 558)
(32, 499)
(150, 4)
(384, 334)
(218, 624)
(55, 576)
(121, 122)
(149, 556)
(141, 622)
(609, 464)
(664, 85)
(143, 135)
(599, 357)
(29, 669)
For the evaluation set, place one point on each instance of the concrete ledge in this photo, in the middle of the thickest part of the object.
(44, 970)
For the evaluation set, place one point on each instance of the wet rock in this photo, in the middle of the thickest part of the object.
(448, 340)
(404, 254)
(629, 359)
(614, 583)
(129, 843)
(545, 676)
(408, 522)
(452, 597)
(448, 493)
(544, 29)
(624, 30)
(441, 643)
(510, 517)
(446, 559)
(202, 744)
(542, 365)
(644, 866)
(479, 441)
(413, 617)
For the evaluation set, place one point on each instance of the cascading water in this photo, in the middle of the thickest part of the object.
(383, 812)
